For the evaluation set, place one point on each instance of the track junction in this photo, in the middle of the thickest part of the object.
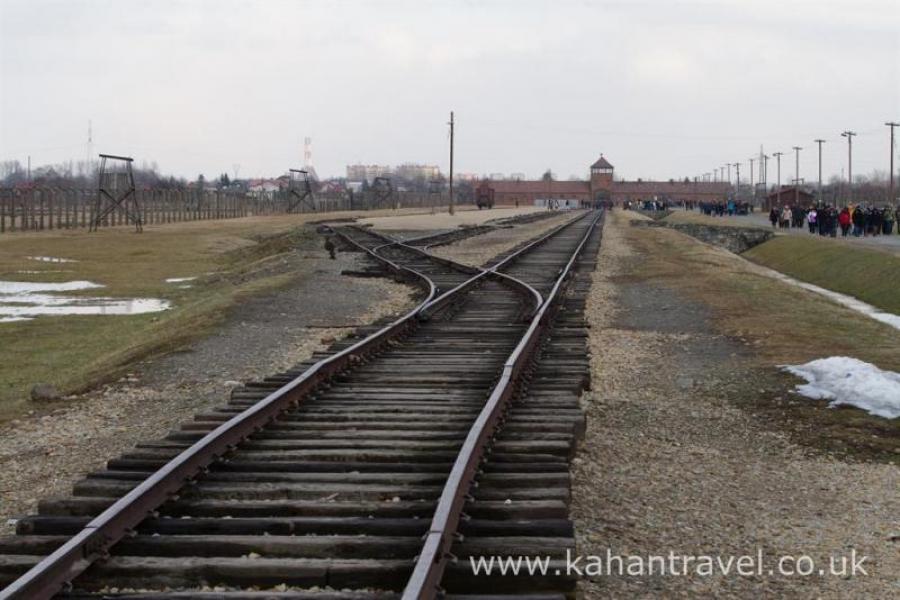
(376, 469)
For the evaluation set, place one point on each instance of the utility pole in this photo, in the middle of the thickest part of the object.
(797, 150)
(892, 198)
(849, 135)
(752, 189)
(819, 191)
(737, 190)
(765, 174)
(728, 165)
(451, 162)
(778, 155)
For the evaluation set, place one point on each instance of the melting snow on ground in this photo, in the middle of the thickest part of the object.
(51, 259)
(179, 279)
(848, 301)
(844, 380)
(22, 300)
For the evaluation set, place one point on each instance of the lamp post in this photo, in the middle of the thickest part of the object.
(819, 189)
(892, 198)
(849, 135)
(752, 189)
(778, 156)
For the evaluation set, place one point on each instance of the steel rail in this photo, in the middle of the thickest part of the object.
(430, 564)
(54, 572)
(441, 300)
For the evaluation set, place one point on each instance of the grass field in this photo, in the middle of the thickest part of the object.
(790, 325)
(869, 275)
(231, 258)
(781, 324)
(692, 216)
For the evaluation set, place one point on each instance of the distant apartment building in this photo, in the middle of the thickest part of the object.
(367, 172)
(416, 171)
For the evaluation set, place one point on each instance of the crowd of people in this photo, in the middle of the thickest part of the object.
(826, 220)
(720, 209)
(646, 205)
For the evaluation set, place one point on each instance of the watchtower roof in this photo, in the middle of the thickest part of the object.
(601, 163)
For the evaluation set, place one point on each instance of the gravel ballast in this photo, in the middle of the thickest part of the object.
(670, 464)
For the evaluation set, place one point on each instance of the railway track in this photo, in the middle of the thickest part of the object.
(433, 240)
(445, 433)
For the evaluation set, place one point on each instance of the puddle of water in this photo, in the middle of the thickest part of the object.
(20, 300)
(179, 279)
(51, 259)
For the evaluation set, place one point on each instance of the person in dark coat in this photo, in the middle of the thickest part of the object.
(859, 221)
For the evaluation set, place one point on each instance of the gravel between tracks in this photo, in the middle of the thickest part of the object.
(42, 456)
(669, 464)
(479, 249)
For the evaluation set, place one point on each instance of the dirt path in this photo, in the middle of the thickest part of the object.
(671, 463)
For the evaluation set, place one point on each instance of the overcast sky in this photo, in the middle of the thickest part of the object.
(662, 88)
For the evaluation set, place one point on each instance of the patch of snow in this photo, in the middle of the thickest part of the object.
(180, 279)
(51, 259)
(843, 299)
(845, 380)
(21, 300)
(28, 287)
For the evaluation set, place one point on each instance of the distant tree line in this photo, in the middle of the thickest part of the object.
(81, 175)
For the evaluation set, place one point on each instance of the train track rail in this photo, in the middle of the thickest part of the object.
(444, 433)
(434, 240)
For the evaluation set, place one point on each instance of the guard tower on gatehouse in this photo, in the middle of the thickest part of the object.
(601, 180)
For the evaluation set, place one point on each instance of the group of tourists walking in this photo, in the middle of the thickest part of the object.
(827, 220)
(720, 209)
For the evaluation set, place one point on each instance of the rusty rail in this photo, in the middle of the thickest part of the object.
(430, 564)
(493, 271)
(93, 542)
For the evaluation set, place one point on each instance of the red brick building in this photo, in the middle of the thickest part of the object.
(603, 186)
